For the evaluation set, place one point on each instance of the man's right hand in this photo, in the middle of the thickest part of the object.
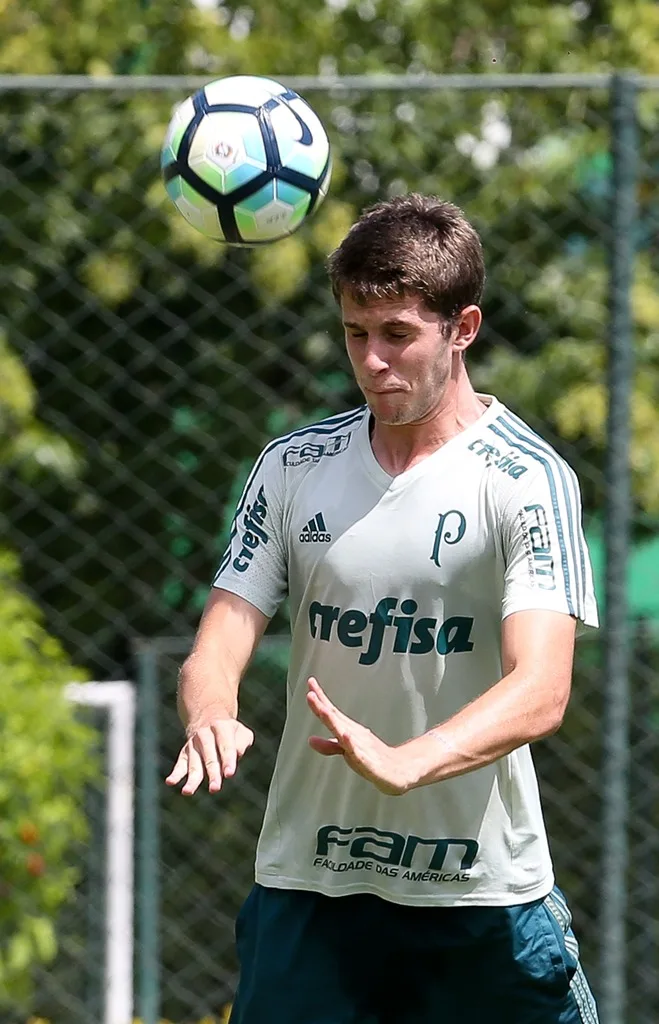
(212, 749)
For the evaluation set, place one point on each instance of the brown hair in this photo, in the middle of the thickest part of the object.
(411, 244)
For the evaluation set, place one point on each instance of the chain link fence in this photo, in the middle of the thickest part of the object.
(160, 363)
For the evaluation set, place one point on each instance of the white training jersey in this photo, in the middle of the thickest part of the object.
(397, 587)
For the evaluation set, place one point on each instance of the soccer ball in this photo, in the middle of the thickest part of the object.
(246, 160)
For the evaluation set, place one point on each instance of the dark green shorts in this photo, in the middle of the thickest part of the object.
(312, 959)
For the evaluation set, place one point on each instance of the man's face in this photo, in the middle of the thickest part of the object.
(401, 355)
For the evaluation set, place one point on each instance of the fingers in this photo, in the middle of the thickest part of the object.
(205, 739)
(323, 709)
(180, 769)
(317, 698)
(322, 701)
(325, 746)
(232, 743)
(244, 740)
(317, 690)
(212, 751)
(320, 711)
(226, 745)
(345, 729)
(195, 770)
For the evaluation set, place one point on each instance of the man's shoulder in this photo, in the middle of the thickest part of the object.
(517, 450)
(310, 444)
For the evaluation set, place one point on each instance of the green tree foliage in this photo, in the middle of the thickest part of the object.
(44, 752)
(27, 446)
(44, 765)
(162, 354)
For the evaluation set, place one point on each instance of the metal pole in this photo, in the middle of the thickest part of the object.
(148, 828)
(615, 770)
(96, 905)
(312, 83)
(644, 884)
(118, 699)
(120, 857)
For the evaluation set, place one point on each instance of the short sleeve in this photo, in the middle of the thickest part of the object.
(547, 565)
(254, 565)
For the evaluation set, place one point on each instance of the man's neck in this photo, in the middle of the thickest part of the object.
(398, 448)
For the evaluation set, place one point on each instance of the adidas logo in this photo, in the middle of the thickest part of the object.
(315, 531)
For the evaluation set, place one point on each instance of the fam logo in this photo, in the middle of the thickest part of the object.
(450, 530)
(537, 542)
(507, 462)
(255, 516)
(295, 455)
(408, 632)
(367, 847)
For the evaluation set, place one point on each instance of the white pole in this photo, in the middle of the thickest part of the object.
(119, 700)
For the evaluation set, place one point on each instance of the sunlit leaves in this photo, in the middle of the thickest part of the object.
(46, 760)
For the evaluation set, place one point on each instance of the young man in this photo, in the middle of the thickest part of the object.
(431, 547)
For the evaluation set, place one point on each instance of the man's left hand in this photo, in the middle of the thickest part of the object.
(385, 766)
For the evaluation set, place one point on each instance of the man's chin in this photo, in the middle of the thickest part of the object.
(388, 411)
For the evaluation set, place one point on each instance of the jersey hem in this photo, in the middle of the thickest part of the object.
(263, 607)
(589, 620)
(473, 899)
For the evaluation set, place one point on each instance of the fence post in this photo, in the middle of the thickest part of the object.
(148, 831)
(615, 769)
(644, 883)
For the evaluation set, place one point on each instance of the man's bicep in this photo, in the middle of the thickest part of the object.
(255, 563)
(547, 566)
(539, 643)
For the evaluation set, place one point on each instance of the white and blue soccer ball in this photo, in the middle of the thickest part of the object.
(246, 160)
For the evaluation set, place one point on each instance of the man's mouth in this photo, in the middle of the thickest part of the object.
(385, 391)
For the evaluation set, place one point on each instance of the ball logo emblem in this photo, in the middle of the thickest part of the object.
(225, 153)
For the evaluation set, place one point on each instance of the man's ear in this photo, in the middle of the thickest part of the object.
(469, 322)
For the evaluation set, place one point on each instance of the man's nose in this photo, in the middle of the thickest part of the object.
(374, 358)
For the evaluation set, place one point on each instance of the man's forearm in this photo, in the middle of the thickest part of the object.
(206, 688)
(516, 711)
(228, 634)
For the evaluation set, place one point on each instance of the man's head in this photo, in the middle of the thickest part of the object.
(409, 276)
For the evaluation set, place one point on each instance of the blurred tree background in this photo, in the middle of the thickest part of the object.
(160, 355)
(157, 363)
(46, 756)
